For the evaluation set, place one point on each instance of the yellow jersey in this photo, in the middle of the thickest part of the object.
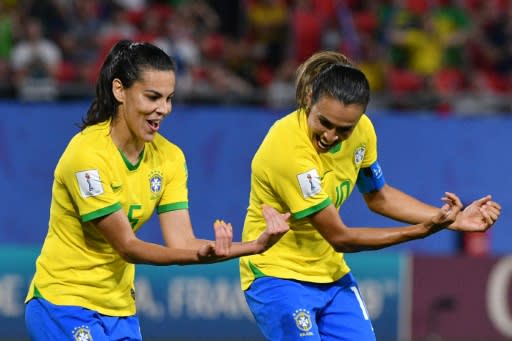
(291, 176)
(92, 179)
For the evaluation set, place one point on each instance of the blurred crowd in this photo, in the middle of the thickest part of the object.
(443, 56)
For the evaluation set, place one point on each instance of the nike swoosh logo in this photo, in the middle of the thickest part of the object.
(115, 187)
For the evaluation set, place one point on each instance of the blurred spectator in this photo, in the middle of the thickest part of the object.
(227, 85)
(306, 30)
(151, 23)
(267, 24)
(180, 39)
(437, 55)
(35, 61)
(491, 48)
(240, 58)
(350, 42)
(119, 26)
(490, 59)
(367, 48)
(370, 63)
(89, 45)
(452, 24)
(7, 22)
(430, 43)
(280, 93)
(232, 17)
(132, 5)
(53, 15)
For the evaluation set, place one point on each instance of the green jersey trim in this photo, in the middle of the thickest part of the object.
(101, 212)
(257, 272)
(37, 293)
(313, 209)
(172, 207)
(336, 148)
(127, 162)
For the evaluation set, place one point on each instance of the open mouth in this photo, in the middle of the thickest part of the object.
(322, 145)
(154, 124)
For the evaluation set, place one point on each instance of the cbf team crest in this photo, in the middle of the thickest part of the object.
(82, 333)
(359, 155)
(155, 183)
(302, 319)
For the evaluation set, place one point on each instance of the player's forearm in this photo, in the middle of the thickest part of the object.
(373, 238)
(410, 211)
(141, 252)
(392, 203)
(240, 249)
(187, 254)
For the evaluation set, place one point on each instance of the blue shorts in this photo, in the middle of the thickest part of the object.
(47, 321)
(294, 310)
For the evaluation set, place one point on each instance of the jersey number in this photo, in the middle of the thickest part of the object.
(133, 221)
(342, 192)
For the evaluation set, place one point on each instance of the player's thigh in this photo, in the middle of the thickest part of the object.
(285, 309)
(346, 317)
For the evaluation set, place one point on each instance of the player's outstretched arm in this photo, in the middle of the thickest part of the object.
(479, 216)
(186, 249)
(397, 205)
(354, 239)
(277, 227)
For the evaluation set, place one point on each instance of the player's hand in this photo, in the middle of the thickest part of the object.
(223, 240)
(479, 216)
(447, 213)
(277, 226)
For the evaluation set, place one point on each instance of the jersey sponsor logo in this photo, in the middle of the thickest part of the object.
(359, 155)
(302, 319)
(155, 183)
(89, 183)
(310, 183)
(82, 333)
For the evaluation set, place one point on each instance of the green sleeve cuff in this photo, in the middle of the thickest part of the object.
(101, 212)
(309, 211)
(172, 207)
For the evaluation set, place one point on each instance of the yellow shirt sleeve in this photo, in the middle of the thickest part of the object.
(175, 192)
(88, 180)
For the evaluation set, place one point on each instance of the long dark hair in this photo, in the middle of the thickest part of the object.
(126, 61)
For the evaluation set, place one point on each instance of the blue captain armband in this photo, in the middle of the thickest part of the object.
(370, 179)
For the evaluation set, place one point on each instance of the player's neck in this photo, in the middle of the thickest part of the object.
(128, 144)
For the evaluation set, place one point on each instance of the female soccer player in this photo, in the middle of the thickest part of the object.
(308, 164)
(110, 179)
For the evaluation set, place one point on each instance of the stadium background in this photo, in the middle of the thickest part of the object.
(442, 130)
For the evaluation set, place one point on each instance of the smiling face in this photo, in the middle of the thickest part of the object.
(143, 106)
(331, 121)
